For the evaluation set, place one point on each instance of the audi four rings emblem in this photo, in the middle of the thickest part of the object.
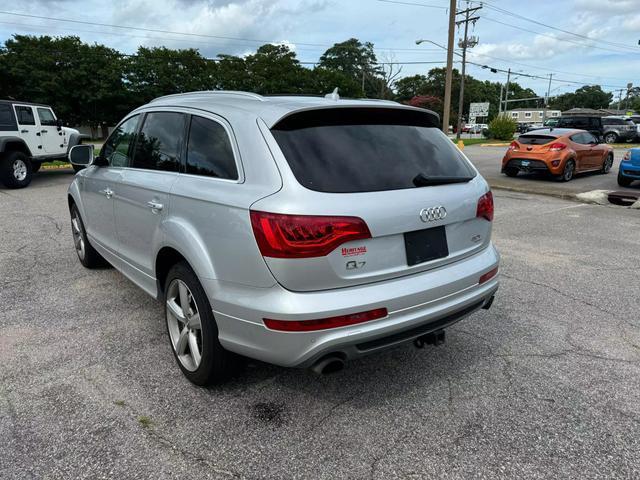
(432, 214)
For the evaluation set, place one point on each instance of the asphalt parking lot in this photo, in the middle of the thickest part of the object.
(544, 385)
(488, 161)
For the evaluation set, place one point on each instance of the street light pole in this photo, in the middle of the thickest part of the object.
(546, 99)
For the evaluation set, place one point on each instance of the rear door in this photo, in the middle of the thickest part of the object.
(28, 128)
(382, 166)
(142, 201)
(52, 140)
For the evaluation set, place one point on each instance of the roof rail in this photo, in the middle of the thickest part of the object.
(204, 93)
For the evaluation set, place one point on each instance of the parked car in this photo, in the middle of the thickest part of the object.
(558, 152)
(30, 134)
(629, 170)
(300, 231)
(478, 128)
(592, 124)
(636, 120)
(618, 129)
(466, 128)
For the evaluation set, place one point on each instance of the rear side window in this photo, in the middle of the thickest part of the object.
(366, 149)
(117, 148)
(160, 141)
(209, 150)
(6, 118)
(535, 139)
(46, 117)
(25, 116)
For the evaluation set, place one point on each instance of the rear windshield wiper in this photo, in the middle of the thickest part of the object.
(422, 180)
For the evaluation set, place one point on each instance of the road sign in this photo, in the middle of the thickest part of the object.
(478, 110)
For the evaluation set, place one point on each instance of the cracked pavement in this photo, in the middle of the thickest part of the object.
(546, 384)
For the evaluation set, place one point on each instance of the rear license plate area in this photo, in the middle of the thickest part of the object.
(426, 245)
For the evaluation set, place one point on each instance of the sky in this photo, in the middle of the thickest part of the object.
(578, 41)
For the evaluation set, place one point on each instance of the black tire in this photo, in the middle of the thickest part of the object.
(568, 171)
(77, 168)
(35, 166)
(611, 137)
(624, 181)
(511, 171)
(16, 170)
(216, 364)
(87, 255)
(607, 164)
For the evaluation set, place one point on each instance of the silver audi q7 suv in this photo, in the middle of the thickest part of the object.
(300, 231)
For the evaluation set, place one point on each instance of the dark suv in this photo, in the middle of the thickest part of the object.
(591, 124)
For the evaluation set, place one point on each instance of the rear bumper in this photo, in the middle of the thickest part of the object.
(416, 304)
(532, 165)
(627, 169)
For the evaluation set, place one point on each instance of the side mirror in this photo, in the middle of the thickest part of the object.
(81, 155)
(59, 124)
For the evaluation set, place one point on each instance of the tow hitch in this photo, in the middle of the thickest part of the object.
(434, 338)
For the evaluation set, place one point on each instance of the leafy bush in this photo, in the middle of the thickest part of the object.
(502, 128)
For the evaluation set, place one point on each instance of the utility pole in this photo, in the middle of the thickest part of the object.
(546, 99)
(449, 74)
(464, 44)
(500, 102)
(506, 93)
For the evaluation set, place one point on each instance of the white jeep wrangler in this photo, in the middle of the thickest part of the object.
(30, 134)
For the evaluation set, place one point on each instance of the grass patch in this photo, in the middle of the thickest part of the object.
(119, 403)
(145, 421)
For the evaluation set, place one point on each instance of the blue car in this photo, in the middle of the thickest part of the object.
(629, 167)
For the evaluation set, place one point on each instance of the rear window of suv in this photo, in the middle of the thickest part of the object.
(346, 150)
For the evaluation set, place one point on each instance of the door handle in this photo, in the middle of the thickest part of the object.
(43, 131)
(24, 131)
(155, 206)
(107, 192)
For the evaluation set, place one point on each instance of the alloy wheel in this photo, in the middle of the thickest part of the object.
(185, 328)
(568, 171)
(78, 234)
(19, 170)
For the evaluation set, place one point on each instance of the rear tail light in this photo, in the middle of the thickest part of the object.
(514, 145)
(557, 146)
(627, 155)
(488, 276)
(304, 236)
(485, 206)
(324, 323)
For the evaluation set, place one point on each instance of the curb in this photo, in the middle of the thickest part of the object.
(55, 167)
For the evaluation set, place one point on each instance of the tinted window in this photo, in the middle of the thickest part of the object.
(46, 117)
(366, 149)
(613, 121)
(159, 142)
(5, 115)
(577, 138)
(535, 139)
(209, 150)
(117, 148)
(25, 116)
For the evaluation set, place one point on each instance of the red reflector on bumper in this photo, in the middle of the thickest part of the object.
(489, 275)
(324, 323)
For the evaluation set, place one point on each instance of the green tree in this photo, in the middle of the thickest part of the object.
(82, 82)
(589, 96)
(357, 61)
(413, 86)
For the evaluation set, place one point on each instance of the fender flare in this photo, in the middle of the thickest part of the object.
(5, 140)
(182, 238)
(76, 139)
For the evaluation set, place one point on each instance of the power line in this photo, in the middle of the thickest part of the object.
(414, 4)
(568, 32)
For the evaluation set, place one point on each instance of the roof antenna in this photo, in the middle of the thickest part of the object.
(333, 95)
